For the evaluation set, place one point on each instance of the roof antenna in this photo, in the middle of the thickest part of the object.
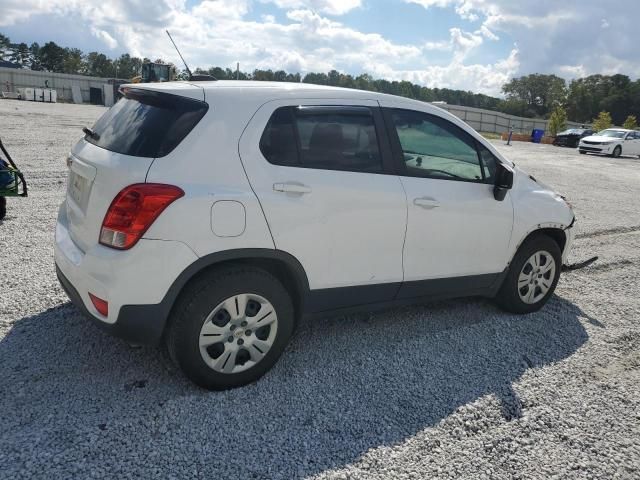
(192, 77)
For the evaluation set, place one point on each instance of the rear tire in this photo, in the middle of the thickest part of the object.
(215, 336)
(3, 207)
(529, 283)
(583, 152)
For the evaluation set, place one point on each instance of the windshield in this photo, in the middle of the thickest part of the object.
(572, 131)
(612, 133)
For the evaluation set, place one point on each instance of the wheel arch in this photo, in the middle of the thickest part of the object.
(555, 232)
(284, 266)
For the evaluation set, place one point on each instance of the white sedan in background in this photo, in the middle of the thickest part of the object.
(613, 142)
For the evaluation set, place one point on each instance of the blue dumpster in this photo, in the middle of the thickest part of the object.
(536, 135)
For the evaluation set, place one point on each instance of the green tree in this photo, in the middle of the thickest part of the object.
(540, 92)
(616, 94)
(127, 66)
(52, 57)
(515, 107)
(21, 55)
(557, 121)
(73, 62)
(98, 65)
(5, 45)
(36, 61)
(631, 122)
(602, 122)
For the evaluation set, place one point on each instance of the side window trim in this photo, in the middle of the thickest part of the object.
(296, 133)
(396, 149)
(302, 110)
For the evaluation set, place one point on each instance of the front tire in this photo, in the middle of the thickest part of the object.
(583, 152)
(3, 207)
(617, 152)
(532, 276)
(230, 327)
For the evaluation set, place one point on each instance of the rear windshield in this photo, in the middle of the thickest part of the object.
(147, 124)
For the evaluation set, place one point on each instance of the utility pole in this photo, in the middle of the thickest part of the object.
(237, 70)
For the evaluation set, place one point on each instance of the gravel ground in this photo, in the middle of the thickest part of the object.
(454, 389)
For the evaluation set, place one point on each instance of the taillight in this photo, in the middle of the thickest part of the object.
(133, 211)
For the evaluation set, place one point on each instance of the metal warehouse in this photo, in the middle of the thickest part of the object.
(94, 90)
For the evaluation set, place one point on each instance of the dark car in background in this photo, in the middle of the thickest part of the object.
(571, 137)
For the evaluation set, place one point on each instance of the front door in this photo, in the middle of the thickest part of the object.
(457, 234)
(320, 169)
(631, 144)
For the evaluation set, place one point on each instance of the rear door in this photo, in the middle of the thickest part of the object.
(143, 125)
(322, 172)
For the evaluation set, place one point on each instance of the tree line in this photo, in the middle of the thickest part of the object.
(533, 96)
(583, 99)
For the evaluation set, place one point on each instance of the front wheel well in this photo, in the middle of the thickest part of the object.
(556, 234)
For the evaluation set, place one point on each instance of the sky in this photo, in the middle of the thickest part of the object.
(475, 45)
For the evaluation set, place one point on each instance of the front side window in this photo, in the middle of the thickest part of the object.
(327, 138)
(434, 147)
(489, 164)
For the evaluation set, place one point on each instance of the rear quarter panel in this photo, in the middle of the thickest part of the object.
(206, 165)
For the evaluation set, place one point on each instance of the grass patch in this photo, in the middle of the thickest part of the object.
(491, 136)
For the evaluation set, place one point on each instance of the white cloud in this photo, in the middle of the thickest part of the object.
(218, 32)
(458, 75)
(550, 38)
(566, 38)
(432, 3)
(331, 7)
(105, 37)
(487, 33)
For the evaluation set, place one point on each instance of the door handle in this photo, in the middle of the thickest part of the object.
(426, 202)
(291, 188)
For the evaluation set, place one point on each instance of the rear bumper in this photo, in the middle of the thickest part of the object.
(143, 324)
(134, 282)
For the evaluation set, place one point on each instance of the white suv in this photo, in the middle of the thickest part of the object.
(213, 216)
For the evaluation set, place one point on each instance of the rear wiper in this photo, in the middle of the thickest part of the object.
(91, 133)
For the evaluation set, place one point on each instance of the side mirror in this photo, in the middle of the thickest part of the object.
(504, 182)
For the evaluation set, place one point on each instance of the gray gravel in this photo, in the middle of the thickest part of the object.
(454, 389)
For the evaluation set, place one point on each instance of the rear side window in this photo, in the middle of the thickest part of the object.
(147, 124)
(328, 138)
(279, 142)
